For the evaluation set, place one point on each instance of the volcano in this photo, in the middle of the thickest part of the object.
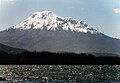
(45, 31)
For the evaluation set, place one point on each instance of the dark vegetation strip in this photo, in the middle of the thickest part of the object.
(48, 58)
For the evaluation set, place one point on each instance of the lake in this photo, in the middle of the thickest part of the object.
(60, 73)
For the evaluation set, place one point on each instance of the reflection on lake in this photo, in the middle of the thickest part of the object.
(60, 73)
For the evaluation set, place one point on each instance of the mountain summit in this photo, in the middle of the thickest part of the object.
(50, 21)
(45, 31)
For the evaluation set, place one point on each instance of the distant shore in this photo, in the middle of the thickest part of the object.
(57, 58)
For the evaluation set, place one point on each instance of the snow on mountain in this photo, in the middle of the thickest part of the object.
(50, 21)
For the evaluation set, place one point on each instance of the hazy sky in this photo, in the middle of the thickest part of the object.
(103, 15)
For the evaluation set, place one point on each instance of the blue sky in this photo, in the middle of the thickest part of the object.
(103, 15)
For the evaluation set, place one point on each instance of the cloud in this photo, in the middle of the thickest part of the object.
(9, 1)
(117, 10)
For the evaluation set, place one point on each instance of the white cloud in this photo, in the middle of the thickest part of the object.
(8, 0)
(117, 10)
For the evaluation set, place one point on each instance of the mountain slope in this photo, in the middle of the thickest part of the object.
(44, 31)
(7, 49)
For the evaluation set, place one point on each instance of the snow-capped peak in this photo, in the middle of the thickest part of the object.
(50, 21)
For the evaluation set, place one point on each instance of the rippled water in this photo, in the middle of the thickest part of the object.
(60, 73)
(61, 82)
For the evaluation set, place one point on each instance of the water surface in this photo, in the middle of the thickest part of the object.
(60, 73)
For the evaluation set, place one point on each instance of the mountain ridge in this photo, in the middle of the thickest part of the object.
(10, 50)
